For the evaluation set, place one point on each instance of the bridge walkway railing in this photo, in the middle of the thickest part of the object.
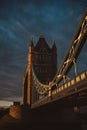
(75, 85)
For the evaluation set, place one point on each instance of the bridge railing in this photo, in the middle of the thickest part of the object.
(70, 87)
(70, 83)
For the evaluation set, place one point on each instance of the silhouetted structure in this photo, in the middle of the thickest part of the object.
(54, 111)
(44, 62)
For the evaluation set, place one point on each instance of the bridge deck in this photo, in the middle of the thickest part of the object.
(75, 85)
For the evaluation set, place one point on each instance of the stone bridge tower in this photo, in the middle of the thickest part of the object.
(44, 61)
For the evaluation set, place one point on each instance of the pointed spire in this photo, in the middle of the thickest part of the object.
(41, 36)
(31, 45)
(41, 39)
(41, 44)
(54, 46)
(31, 42)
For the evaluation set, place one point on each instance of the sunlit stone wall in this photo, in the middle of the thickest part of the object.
(15, 111)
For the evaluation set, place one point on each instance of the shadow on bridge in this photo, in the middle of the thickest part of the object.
(52, 116)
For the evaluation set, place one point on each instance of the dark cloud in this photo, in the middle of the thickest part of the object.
(19, 21)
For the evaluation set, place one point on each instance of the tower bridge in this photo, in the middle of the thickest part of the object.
(42, 81)
(49, 94)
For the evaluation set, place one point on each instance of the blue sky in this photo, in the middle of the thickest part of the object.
(22, 19)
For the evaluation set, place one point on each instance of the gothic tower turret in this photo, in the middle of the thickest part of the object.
(28, 77)
(30, 56)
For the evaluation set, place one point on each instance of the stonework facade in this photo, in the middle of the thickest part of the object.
(15, 111)
(44, 61)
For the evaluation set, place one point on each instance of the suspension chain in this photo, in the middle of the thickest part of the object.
(70, 58)
(40, 88)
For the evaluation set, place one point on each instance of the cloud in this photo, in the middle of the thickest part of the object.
(22, 19)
